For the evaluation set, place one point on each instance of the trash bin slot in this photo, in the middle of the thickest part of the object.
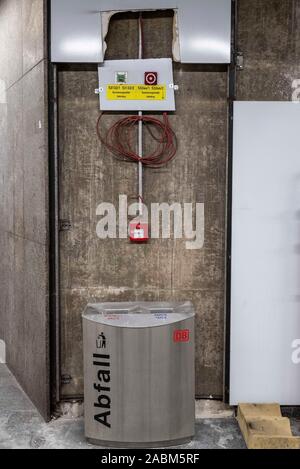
(136, 320)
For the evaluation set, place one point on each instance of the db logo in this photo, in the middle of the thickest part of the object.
(181, 335)
(150, 78)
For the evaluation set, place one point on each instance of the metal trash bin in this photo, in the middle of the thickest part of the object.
(139, 378)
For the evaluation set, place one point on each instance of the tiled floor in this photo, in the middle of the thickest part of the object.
(21, 426)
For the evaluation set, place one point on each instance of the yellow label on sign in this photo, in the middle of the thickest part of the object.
(136, 92)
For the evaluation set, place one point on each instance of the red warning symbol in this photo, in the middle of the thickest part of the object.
(150, 78)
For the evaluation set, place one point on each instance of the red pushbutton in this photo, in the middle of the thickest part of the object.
(150, 78)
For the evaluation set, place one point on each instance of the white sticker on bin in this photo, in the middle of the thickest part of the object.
(139, 234)
(160, 316)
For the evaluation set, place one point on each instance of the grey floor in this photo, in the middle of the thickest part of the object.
(21, 426)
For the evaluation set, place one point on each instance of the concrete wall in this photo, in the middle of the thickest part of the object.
(268, 34)
(92, 269)
(23, 193)
(269, 37)
(113, 270)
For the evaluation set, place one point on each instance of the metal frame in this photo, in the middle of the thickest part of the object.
(231, 99)
(54, 280)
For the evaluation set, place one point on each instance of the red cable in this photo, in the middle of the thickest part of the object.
(120, 138)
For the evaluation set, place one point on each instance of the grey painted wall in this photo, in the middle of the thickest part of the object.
(23, 193)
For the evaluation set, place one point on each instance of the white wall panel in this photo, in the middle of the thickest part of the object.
(265, 301)
(204, 28)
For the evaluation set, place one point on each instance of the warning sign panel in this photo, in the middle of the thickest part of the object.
(136, 92)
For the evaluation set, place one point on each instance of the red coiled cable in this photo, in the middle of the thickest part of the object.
(120, 139)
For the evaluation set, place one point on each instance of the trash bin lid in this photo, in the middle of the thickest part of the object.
(138, 314)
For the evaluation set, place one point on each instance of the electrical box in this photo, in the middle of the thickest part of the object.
(136, 85)
(139, 232)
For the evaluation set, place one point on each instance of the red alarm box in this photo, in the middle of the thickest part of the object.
(138, 232)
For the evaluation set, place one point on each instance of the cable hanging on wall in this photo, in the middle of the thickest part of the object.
(119, 139)
(138, 85)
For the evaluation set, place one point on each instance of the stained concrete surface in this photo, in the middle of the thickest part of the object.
(163, 270)
(268, 34)
(24, 195)
(269, 37)
(21, 426)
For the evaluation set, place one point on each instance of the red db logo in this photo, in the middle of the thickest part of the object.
(181, 335)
